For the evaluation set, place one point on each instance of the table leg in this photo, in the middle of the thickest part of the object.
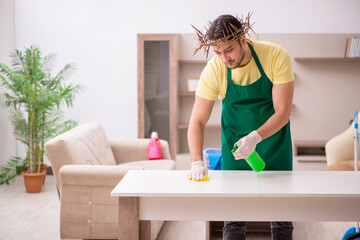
(207, 230)
(128, 218)
(145, 230)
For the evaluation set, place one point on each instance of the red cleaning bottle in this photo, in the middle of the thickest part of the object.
(154, 147)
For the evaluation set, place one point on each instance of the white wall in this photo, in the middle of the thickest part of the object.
(100, 37)
(7, 141)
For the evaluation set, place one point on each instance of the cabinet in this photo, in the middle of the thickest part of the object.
(153, 65)
(309, 151)
(179, 66)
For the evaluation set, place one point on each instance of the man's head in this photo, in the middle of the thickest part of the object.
(226, 34)
(222, 30)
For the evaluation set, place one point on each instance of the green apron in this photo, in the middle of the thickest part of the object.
(246, 108)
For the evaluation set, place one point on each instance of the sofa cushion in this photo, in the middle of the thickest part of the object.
(162, 164)
(85, 144)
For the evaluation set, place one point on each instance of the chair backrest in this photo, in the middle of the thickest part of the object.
(85, 144)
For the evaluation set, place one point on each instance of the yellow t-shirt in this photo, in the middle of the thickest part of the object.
(273, 58)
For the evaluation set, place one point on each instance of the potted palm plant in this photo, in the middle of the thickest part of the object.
(34, 99)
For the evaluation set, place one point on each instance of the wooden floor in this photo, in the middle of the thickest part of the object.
(36, 216)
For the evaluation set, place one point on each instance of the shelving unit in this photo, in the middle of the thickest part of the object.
(320, 87)
(326, 59)
(191, 67)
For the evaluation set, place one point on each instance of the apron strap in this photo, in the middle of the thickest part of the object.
(262, 72)
(228, 76)
(256, 59)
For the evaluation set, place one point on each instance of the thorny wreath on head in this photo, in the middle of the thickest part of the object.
(230, 33)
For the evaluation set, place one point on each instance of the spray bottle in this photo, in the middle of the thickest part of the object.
(154, 147)
(254, 160)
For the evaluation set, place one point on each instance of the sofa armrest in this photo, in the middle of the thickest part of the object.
(129, 150)
(94, 175)
(87, 209)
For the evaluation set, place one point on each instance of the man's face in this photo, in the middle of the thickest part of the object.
(231, 53)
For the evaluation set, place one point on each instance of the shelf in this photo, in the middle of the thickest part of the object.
(193, 61)
(208, 126)
(311, 143)
(186, 93)
(326, 59)
(310, 158)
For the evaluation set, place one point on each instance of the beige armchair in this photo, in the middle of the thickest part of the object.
(86, 167)
(340, 151)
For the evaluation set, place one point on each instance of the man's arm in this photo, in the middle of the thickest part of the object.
(282, 99)
(199, 117)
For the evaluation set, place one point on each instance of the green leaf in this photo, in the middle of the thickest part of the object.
(12, 169)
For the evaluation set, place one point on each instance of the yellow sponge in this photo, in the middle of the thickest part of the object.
(205, 178)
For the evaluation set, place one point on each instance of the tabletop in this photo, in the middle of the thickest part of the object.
(174, 183)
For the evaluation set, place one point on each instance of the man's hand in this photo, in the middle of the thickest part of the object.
(246, 145)
(198, 171)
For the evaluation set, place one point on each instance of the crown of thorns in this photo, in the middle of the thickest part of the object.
(230, 33)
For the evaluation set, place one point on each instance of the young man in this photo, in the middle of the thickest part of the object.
(255, 81)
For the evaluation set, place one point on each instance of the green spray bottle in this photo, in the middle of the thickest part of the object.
(254, 160)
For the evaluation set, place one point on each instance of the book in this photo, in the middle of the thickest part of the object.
(347, 48)
(352, 46)
(357, 48)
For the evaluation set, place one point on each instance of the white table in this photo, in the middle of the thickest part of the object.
(235, 196)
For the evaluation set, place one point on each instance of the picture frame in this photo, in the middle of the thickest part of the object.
(192, 84)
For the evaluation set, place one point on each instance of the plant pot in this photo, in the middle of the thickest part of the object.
(43, 168)
(33, 181)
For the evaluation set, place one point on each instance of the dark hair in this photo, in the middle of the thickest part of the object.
(223, 26)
